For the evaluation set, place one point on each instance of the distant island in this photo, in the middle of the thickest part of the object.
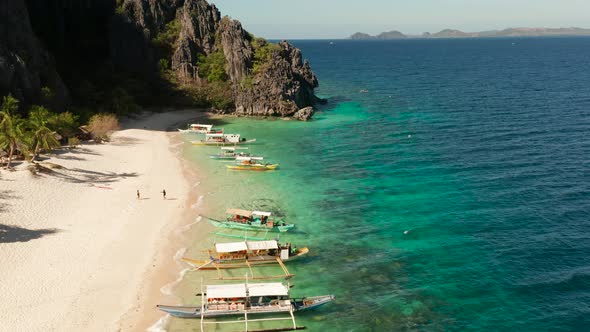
(383, 35)
(453, 33)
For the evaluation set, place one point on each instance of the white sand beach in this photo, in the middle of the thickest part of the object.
(78, 250)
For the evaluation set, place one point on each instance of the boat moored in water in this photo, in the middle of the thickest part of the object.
(252, 221)
(246, 299)
(240, 254)
(221, 139)
(231, 153)
(252, 164)
(197, 128)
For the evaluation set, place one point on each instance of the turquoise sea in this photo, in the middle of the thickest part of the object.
(452, 194)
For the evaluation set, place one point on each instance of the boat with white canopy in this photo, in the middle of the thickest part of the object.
(197, 128)
(247, 299)
(231, 153)
(244, 254)
(251, 220)
(221, 139)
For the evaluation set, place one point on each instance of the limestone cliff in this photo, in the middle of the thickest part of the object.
(113, 52)
(280, 83)
(282, 87)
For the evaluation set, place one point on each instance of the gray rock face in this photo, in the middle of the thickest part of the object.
(236, 48)
(304, 114)
(285, 86)
(25, 66)
(198, 23)
(132, 30)
(151, 37)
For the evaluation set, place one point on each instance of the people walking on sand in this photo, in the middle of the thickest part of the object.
(138, 196)
(164, 193)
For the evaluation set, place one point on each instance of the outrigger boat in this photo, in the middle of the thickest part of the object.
(245, 300)
(252, 164)
(230, 153)
(251, 221)
(247, 253)
(196, 128)
(222, 139)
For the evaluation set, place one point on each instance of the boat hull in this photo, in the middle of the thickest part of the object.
(269, 167)
(188, 131)
(250, 227)
(307, 303)
(202, 143)
(227, 157)
(216, 157)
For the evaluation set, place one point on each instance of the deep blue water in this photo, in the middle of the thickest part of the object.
(453, 195)
(481, 149)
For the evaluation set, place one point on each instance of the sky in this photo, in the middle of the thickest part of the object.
(333, 19)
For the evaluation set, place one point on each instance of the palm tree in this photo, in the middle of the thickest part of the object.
(40, 137)
(11, 125)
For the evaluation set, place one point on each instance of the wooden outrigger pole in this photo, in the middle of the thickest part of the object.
(202, 304)
(245, 237)
(220, 276)
(287, 274)
(246, 320)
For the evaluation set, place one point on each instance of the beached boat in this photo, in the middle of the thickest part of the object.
(251, 221)
(252, 164)
(197, 128)
(221, 139)
(245, 300)
(230, 153)
(246, 253)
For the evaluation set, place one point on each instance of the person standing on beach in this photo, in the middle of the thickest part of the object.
(138, 196)
(164, 193)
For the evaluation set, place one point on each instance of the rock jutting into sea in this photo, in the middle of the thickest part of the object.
(147, 52)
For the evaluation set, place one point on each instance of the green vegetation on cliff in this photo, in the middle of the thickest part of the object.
(263, 53)
(166, 38)
(212, 66)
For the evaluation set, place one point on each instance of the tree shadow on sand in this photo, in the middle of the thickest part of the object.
(11, 234)
(77, 175)
(80, 150)
(125, 141)
(69, 154)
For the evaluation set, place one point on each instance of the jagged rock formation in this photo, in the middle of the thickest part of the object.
(184, 44)
(282, 85)
(198, 21)
(304, 114)
(238, 52)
